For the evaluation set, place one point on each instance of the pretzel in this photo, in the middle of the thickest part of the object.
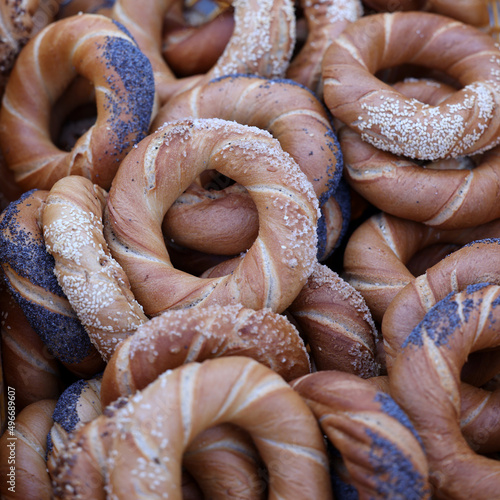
(194, 397)
(457, 325)
(376, 254)
(97, 49)
(164, 164)
(457, 196)
(16, 28)
(29, 273)
(28, 366)
(292, 114)
(473, 263)
(465, 123)
(325, 21)
(380, 448)
(337, 324)
(177, 337)
(30, 478)
(262, 40)
(95, 284)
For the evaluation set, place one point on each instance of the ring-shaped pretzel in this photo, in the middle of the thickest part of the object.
(180, 404)
(162, 166)
(467, 122)
(458, 196)
(101, 51)
(425, 381)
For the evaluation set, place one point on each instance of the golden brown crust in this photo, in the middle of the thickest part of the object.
(165, 163)
(194, 397)
(95, 284)
(465, 123)
(98, 49)
(380, 448)
(179, 337)
(457, 325)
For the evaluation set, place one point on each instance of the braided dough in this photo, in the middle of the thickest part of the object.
(100, 50)
(94, 283)
(465, 123)
(438, 347)
(380, 448)
(178, 337)
(29, 273)
(163, 165)
(173, 410)
(261, 43)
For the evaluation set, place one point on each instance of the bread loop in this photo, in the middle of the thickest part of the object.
(378, 250)
(380, 448)
(176, 408)
(473, 263)
(29, 273)
(461, 195)
(262, 40)
(337, 324)
(294, 116)
(438, 347)
(94, 283)
(98, 49)
(163, 165)
(465, 123)
(325, 21)
(175, 337)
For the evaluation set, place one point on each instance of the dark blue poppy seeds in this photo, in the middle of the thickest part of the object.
(130, 107)
(26, 254)
(391, 408)
(395, 475)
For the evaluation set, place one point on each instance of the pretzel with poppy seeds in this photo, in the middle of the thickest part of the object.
(465, 123)
(295, 117)
(29, 275)
(170, 412)
(163, 165)
(439, 345)
(460, 193)
(95, 284)
(378, 250)
(100, 50)
(261, 43)
(380, 448)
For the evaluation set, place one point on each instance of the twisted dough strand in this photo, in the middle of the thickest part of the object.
(95, 284)
(164, 164)
(178, 406)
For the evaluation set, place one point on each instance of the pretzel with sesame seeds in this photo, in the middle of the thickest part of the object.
(445, 194)
(295, 117)
(262, 41)
(107, 454)
(467, 122)
(162, 166)
(98, 49)
(427, 369)
(95, 284)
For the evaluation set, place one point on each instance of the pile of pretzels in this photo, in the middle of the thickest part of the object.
(249, 249)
